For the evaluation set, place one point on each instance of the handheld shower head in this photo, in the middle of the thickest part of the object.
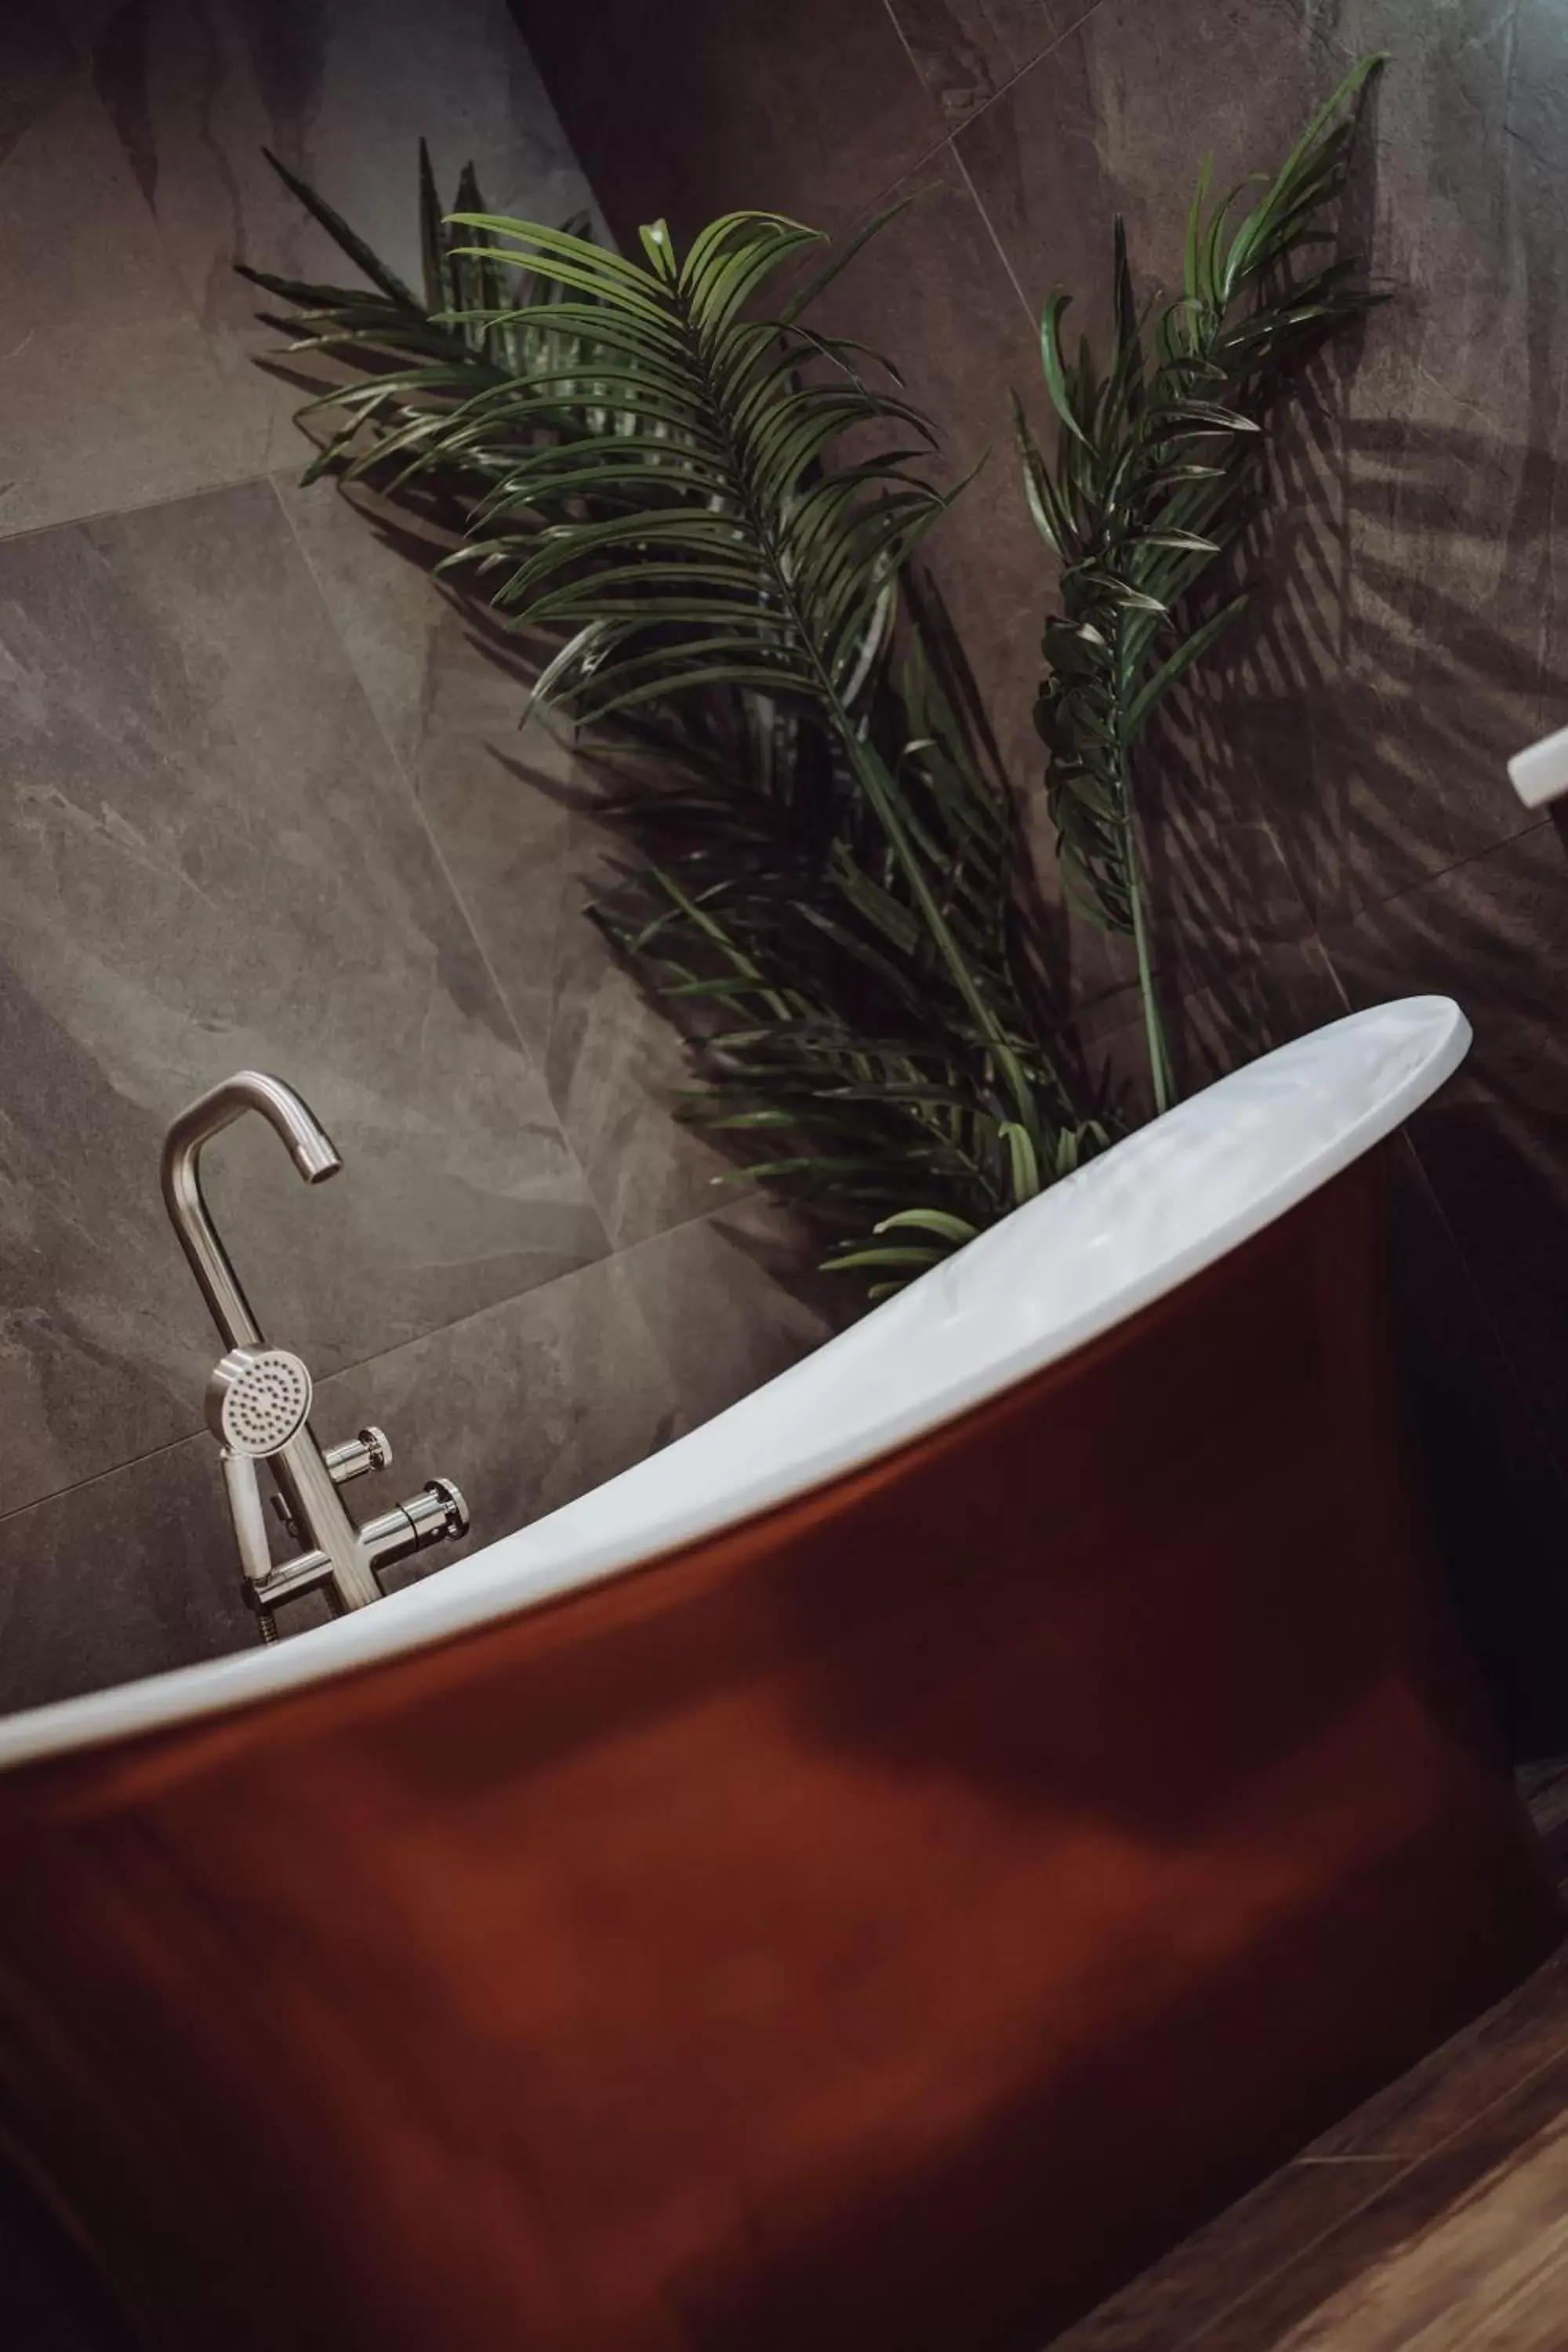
(257, 1399)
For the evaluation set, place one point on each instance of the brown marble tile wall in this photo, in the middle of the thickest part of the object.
(266, 803)
(1335, 822)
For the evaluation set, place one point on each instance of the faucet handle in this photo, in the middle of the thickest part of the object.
(371, 1450)
(439, 1513)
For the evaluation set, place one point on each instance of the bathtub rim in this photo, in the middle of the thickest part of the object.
(445, 1606)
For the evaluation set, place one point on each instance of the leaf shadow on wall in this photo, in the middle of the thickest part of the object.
(1350, 734)
(1334, 828)
(569, 855)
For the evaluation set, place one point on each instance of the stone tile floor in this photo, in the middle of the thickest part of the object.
(1435, 2216)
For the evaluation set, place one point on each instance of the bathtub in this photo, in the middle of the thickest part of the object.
(869, 1875)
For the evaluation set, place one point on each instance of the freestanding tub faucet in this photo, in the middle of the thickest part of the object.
(258, 1399)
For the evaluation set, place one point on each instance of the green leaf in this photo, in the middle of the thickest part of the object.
(840, 258)
(432, 238)
(1055, 370)
(1192, 649)
(1024, 1163)
(343, 237)
(911, 1256)
(957, 1229)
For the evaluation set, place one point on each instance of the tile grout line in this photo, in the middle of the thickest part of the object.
(978, 201)
(380, 1355)
(1035, 57)
(87, 516)
(537, 1064)
(96, 1477)
(1040, 56)
(955, 130)
(902, 40)
(1442, 872)
(952, 140)
(926, 154)
(267, 480)
(422, 820)
(951, 137)
(1002, 91)
(612, 1250)
(254, 476)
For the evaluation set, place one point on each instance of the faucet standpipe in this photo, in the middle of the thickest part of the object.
(258, 1398)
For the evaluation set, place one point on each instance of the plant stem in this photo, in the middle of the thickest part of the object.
(1132, 866)
(869, 773)
(1153, 1027)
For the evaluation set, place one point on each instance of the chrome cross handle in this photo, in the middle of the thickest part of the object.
(369, 1451)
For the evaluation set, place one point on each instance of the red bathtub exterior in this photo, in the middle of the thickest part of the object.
(887, 1923)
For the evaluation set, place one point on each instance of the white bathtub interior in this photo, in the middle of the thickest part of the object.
(1157, 1208)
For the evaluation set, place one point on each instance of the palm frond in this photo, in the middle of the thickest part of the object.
(1156, 463)
(714, 518)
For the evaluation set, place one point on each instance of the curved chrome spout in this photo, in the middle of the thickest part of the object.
(309, 1146)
